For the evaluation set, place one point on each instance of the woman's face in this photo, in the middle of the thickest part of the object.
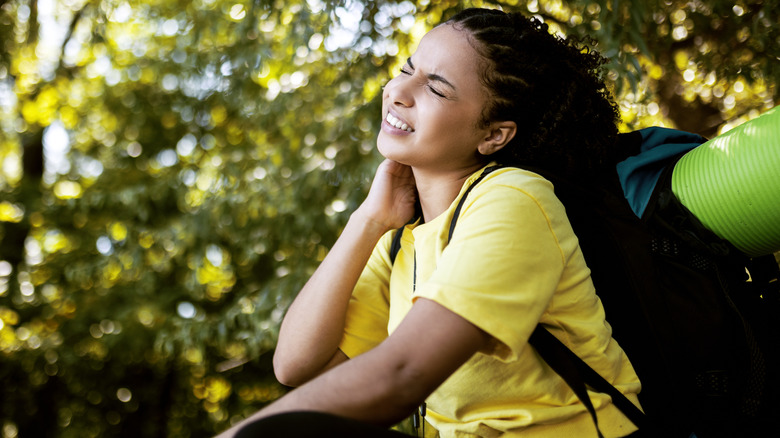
(433, 108)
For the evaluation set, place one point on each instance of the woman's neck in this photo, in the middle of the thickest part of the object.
(437, 191)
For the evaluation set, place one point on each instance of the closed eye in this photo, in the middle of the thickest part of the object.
(408, 69)
(434, 91)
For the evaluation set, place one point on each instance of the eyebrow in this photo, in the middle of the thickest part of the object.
(433, 76)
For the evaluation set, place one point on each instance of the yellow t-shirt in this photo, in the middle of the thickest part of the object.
(513, 262)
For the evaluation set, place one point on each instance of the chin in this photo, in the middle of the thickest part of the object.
(391, 151)
(384, 149)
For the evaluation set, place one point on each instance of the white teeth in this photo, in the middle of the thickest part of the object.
(394, 121)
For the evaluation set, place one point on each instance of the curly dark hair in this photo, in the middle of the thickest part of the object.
(553, 88)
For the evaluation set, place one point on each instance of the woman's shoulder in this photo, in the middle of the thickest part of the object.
(511, 190)
(518, 178)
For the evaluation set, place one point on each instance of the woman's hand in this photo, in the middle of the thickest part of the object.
(390, 202)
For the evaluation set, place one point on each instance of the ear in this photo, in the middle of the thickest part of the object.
(499, 134)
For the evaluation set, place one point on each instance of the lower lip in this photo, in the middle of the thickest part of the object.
(390, 129)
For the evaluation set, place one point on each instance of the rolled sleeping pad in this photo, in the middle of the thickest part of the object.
(731, 184)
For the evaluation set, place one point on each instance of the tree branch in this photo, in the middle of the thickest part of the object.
(71, 29)
(32, 30)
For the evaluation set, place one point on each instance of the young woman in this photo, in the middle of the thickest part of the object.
(448, 322)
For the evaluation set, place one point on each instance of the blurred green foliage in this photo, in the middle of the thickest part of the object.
(171, 172)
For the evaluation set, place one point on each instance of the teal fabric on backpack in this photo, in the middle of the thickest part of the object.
(639, 174)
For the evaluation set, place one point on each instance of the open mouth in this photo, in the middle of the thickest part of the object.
(394, 121)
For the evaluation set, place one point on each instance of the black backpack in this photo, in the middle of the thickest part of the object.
(693, 313)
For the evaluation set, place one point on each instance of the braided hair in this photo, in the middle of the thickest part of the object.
(552, 88)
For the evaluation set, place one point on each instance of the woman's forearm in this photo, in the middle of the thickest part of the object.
(385, 384)
(364, 389)
(313, 327)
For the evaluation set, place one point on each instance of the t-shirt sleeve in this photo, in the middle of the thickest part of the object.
(503, 264)
(367, 314)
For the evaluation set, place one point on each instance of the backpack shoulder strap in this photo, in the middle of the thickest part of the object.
(576, 373)
(395, 246)
(462, 201)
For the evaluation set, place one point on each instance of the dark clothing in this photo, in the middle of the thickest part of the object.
(318, 425)
(313, 425)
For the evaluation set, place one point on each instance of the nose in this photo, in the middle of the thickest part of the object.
(398, 91)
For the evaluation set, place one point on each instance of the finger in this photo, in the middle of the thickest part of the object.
(395, 168)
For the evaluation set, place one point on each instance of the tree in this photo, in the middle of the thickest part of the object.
(172, 172)
(707, 66)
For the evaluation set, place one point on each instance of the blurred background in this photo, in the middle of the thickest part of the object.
(171, 172)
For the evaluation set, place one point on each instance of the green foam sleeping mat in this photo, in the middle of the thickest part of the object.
(731, 184)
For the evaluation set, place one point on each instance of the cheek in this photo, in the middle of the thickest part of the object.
(455, 122)
(459, 128)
